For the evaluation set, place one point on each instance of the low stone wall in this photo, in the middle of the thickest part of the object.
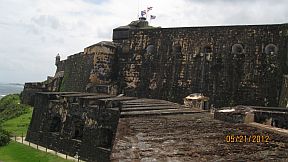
(62, 123)
(273, 116)
(276, 119)
(29, 91)
(237, 114)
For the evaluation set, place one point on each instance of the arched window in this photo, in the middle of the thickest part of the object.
(271, 49)
(150, 49)
(237, 49)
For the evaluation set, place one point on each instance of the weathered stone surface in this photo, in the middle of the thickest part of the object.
(194, 137)
(29, 91)
(77, 72)
(65, 124)
(230, 64)
(284, 92)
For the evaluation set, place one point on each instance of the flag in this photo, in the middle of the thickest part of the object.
(149, 8)
(143, 12)
(152, 17)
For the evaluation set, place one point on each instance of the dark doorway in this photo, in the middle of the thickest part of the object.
(78, 130)
(55, 124)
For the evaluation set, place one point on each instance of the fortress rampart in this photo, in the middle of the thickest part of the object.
(101, 101)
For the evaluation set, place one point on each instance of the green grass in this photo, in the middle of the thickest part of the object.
(17, 126)
(16, 152)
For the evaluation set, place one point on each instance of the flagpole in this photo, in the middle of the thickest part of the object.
(146, 12)
(150, 21)
(138, 10)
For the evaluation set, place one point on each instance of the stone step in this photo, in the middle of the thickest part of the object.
(137, 101)
(118, 99)
(149, 108)
(114, 101)
(146, 105)
(160, 112)
(96, 97)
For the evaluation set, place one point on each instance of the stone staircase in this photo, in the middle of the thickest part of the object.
(148, 107)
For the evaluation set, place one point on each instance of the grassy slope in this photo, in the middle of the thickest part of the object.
(18, 125)
(16, 152)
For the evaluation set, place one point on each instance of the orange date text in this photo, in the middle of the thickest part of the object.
(247, 139)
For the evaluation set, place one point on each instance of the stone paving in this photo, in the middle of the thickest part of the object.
(194, 137)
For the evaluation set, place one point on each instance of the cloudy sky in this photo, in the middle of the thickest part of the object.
(32, 32)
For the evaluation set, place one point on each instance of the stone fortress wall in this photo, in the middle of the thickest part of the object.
(230, 64)
(79, 109)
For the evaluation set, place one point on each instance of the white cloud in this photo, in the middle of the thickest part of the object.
(33, 32)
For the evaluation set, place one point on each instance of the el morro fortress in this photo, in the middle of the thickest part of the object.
(122, 100)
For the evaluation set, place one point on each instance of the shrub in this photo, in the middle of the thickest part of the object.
(4, 137)
(8, 101)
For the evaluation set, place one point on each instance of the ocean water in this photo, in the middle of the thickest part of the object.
(10, 88)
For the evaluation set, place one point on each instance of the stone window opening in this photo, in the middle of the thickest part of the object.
(287, 57)
(150, 49)
(177, 51)
(237, 49)
(275, 123)
(177, 48)
(208, 53)
(207, 49)
(125, 48)
(78, 130)
(55, 124)
(271, 49)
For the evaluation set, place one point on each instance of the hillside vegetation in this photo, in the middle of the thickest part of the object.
(10, 121)
(15, 118)
(10, 107)
(18, 126)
